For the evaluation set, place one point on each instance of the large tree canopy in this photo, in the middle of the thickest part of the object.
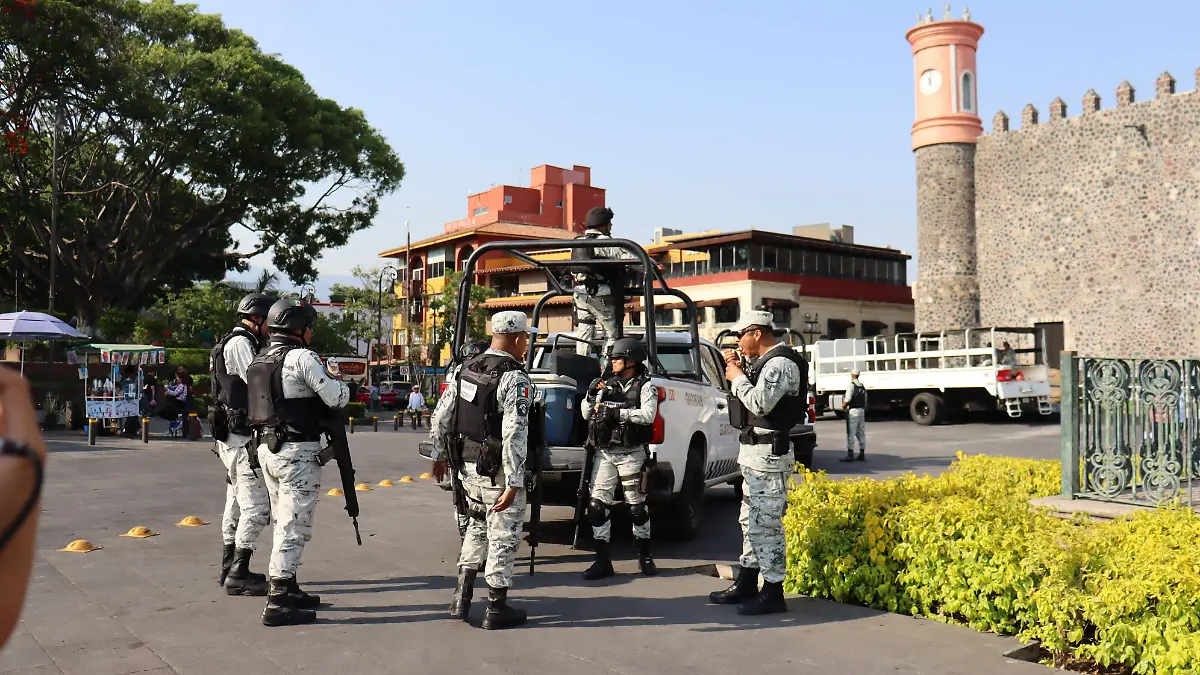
(178, 134)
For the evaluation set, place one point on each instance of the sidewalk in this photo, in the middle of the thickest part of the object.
(152, 605)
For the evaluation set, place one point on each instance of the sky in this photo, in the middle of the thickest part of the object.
(692, 115)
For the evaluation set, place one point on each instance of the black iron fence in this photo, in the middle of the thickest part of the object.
(1131, 429)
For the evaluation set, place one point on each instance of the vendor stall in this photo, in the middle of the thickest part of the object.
(111, 388)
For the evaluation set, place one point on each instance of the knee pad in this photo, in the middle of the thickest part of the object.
(597, 513)
(639, 514)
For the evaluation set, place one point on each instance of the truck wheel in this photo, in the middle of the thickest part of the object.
(927, 409)
(685, 512)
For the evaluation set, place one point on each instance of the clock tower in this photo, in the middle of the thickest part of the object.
(943, 140)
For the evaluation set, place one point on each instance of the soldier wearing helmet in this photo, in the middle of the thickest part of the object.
(621, 411)
(594, 290)
(247, 507)
(290, 392)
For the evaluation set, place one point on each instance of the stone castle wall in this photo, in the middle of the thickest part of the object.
(1095, 221)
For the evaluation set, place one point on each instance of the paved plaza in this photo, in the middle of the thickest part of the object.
(152, 605)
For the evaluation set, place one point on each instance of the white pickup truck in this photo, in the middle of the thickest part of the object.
(694, 444)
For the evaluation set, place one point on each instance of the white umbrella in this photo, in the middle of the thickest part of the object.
(35, 326)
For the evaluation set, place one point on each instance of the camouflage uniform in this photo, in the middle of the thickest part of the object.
(497, 537)
(602, 307)
(616, 464)
(292, 475)
(765, 474)
(856, 422)
(247, 506)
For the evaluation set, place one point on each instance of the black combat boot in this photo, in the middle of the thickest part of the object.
(300, 599)
(240, 581)
(744, 587)
(849, 456)
(226, 563)
(645, 560)
(280, 609)
(862, 455)
(460, 606)
(603, 566)
(499, 614)
(768, 601)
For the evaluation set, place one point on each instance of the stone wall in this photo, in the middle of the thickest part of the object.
(1095, 221)
(946, 293)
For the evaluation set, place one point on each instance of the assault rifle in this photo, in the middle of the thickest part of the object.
(597, 436)
(338, 449)
(534, 490)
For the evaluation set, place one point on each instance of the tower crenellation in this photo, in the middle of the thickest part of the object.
(1029, 116)
(1125, 94)
(1164, 86)
(1058, 109)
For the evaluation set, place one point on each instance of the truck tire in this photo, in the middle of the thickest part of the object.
(927, 409)
(683, 515)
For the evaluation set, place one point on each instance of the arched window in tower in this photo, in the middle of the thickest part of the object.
(968, 92)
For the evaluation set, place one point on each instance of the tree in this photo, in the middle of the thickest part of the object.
(176, 130)
(445, 304)
(362, 306)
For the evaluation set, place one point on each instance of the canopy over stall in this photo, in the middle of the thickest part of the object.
(112, 397)
(35, 327)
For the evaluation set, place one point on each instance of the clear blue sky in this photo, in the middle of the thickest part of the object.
(692, 115)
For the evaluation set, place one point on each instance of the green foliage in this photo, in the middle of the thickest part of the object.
(195, 359)
(151, 330)
(176, 130)
(967, 547)
(204, 305)
(445, 305)
(362, 305)
(117, 325)
(329, 336)
(356, 410)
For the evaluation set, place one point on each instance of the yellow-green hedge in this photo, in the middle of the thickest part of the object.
(967, 547)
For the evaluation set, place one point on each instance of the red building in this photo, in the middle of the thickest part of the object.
(557, 198)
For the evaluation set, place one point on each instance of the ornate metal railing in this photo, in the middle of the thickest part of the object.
(1131, 429)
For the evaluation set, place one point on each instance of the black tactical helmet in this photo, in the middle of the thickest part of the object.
(630, 349)
(474, 349)
(599, 216)
(255, 304)
(291, 314)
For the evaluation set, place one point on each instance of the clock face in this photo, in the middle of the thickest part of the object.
(931, 81)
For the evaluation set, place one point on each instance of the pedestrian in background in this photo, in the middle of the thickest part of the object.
(855, 404)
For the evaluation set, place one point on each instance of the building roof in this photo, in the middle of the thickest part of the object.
(514, 230)
(690, 242)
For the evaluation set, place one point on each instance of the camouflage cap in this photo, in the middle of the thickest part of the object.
(755, 317)
(510, 322)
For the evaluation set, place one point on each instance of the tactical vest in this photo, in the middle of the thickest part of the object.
(790, 409)
(229, 390)
(589, 276)
(478, 416)
(859, 398)
(296, 419)
(628, 434)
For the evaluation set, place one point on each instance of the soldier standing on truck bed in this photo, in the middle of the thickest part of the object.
(765, 404)
(483, 417)
(628, 404)
(598, 294)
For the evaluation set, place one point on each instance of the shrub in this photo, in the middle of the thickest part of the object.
(356, 410)
(193, 358)
(967, 547)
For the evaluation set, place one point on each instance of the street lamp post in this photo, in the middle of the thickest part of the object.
(391, 273)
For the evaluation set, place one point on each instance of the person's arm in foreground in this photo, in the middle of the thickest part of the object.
(17, 483)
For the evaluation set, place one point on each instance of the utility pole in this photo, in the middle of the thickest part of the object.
(407, 309)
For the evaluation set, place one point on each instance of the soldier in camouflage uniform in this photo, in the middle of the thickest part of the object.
(596, 301)
(764, 404)
(484, 417)
(462, 520)
(290, 392)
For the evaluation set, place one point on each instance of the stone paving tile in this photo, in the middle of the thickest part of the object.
(23, 652)
(222, 656)
(37, 670)
(108, 657)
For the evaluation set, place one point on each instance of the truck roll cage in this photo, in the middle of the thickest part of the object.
(521, 249)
